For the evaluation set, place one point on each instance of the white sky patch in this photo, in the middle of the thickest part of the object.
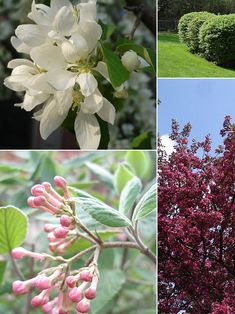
(168, 144)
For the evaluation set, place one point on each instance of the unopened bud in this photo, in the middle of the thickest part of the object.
(85, 276)
(90, 293)
(83, 306)
(37, 190)
(18, 252)
(60, 182)
(39, 300)
(131, 61)
(71, 281)
(60, 232)
(75, 295)
(65, 221)
(43, 282)
(19, 287)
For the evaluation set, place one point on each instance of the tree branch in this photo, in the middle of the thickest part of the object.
(146, 13)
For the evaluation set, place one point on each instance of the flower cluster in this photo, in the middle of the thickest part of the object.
(72, 286)
(63, 46)
(196, 221)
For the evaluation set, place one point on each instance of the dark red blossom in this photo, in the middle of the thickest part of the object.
(196, 205)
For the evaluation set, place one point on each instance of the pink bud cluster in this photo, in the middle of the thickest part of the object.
(61, 236)
(79, 287)
(46, 198)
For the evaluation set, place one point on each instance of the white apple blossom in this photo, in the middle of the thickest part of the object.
(63, 47)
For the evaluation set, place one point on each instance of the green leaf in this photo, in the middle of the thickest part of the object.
(111, 282)
(2, 270)
(107, 30)
(146, 205)
(121, 177)
(142, 141)
(129, 195)
(103, 213)
(146, 53)
(139, 161)
(82, 159)
(103, 174)
(117, 72)
(13, 228)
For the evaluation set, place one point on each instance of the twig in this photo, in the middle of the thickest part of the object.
(16, 269)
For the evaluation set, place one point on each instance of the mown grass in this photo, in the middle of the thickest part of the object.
(176, 61)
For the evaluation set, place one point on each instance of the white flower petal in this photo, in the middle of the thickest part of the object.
(24, 70)
(39, 83)
(81, 44)
(15, 82)
(88, 83)
(69, 51)
(40, 14)
(87, 131)
(19, 45)
(87, 11)
(32, 35)
(92, 31)
(107, 112)
(103, 70)
(64, 101)
(50, 119)
(30, 102)
(64, 21)
(16, 62)
(92, 103)
(56, 5)
(61, 79)
(48, 57)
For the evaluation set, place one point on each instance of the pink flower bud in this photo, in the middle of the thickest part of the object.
(83, 306)
(38, 190)
(43, 282)
(71, 281)
(50, 190)
(90, 293)
(39, 300)
(60, 182)
(51, 237)
(65, 221)
(40, 201)
(18, 252)
(19, 287)
(85, 276)
(30, 202)
(49, 227)
(75, 295)
(61, 232)
(47, 308)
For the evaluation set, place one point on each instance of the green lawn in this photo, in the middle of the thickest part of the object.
(176, 61)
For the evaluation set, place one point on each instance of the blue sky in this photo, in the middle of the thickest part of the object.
(202, 102)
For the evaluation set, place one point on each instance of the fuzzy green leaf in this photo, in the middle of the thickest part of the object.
(129, 195)
(13, 228)
(146, 205)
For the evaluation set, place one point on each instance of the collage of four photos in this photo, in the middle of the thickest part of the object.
(117, 160)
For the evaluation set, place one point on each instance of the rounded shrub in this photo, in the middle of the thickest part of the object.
(183, 25)
(217, 39)
(193, 30)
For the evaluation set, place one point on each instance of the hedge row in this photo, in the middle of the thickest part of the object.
(210, 35)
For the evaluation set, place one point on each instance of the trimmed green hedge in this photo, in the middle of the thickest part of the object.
(194, 27)
(183, 25)
(217, 39)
